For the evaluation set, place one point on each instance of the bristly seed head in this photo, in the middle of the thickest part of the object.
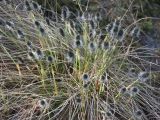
(72, 24)
(109, 27)
(92, 24)
(104, 77)
(70, 56)
(27, 6)
(65, 13)
(29, 44)
(20, 60)
(35, 5)
(43, 104)
(138, 113)
(134, 91)
(115, 29)
(20, 34)
(85, 85)
(37, 23)
(117, 22)
(105, 45)
(78, 98)
(39, 52)
(85, 77)
(9, 25)
(2, 22)
(123, 90)
(143, 76)
(31, 55)
(92, 46)
(108, 113)
(98, 16)
(42, 31)
(135, 32)
(61, 32)
(78, 37)
(48, 21)
(78, 42)
(50, 59)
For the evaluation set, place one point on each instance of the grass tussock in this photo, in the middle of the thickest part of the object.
(54, 67)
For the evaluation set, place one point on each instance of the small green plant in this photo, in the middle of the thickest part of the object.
(69, 69)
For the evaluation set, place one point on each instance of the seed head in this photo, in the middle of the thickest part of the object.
(85, 77)
(2, 22)
(39, 52)
(72, 24)
(20, 34)
(138, 113)
(65, 13)
(70, 56)
(78, 42)
(105, 45)
(29, 44)
(9, 25)
(78, 28)
(20, 60)
(104, 77)
(58, 80)
(78, 15)
(78, 100)
(132, 70)
(117, 22)
(109, 27)
(27, 5)
(123, 90)
(43, 104)
(134, 91)
(92, 24)
(61, 32)
(108, 114)
(115, 29)
(92, 47)
(135, 32)
(98, 16)
(37, 23)
(48, 21)
(42, 31)
(35, 6)
(143, 76)
(31, 55)
(50, 59)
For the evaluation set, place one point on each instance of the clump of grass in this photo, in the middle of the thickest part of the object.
(67, 73)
